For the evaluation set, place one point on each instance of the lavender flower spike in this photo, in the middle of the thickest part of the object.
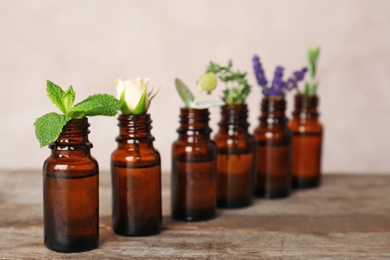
(277, 82)
(278, 87)
(298, 75)
(259, 71)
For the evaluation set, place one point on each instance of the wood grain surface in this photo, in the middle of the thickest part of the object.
(348, 217)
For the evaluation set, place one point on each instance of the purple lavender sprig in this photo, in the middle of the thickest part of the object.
(278, 86)
(259, 71)
(297, 76)
(277, 83)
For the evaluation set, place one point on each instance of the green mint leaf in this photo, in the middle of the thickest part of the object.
(55, 93)
(96, 105)
(184, 92)
(68, 99)
(48, 127)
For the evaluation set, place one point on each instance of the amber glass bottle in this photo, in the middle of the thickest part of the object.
(273, 150)
(136, 179)
(194, 168)
(236, 158)
(307, 142)
(70, 191)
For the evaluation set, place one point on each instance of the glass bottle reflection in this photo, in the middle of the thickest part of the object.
(236, 158)
(273, 150)
(70, 191)
(307, 142)
(136, 179)
(194, 168)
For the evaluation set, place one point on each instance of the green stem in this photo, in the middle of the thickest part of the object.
(198, 95)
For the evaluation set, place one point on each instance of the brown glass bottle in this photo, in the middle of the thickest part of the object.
(136, 179)
(236, 158)
(70, 191)
(307, 142)
(273, 150)
(194, 168)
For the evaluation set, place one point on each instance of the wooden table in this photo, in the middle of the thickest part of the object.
(347, 218)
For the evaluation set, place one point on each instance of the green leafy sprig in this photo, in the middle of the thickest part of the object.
(206, 83)
(237, 87)
(49, 126)
(312, 85)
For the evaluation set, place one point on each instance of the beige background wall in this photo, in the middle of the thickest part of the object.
(88, 44)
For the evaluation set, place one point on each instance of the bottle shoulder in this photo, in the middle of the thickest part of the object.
(199, 151)
(70, 157)
(140, 156)
(193, 141)
(72, 165)
(306, 126)
(276, 134)
(275, 129)
(243, 141)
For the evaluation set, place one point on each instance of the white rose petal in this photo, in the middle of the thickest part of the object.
(120, 87)
(131, 91)
(134, 88)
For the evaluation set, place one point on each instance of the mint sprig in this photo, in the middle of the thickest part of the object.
(96, 105)
(49, 126)
(237, 88)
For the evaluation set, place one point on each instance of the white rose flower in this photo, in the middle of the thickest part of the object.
(134, 96)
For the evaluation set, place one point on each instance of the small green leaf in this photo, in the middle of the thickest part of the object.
(313, 89)
(184, 92)
(68, 99)
(307, 89)
(141, 106)
(206, 104)
(95, 105)
(313, 54)
(124, 107)
(237, 87)
(230, 64)
(48, 127)
(151, 96)
(55, 93)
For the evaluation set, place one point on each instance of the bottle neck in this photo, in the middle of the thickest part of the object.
(305, 106)
(194, 122)
(234, 118)
(134, 129)
(273, 111)
(74, 136)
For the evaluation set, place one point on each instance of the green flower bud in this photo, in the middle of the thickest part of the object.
(207, 82)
